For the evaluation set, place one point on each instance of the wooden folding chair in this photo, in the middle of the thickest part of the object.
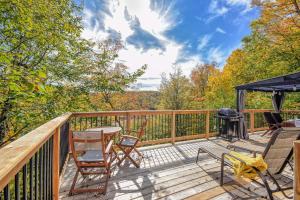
(128, 145)
(92, 155)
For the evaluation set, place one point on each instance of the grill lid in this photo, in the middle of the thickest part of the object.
(228, 112)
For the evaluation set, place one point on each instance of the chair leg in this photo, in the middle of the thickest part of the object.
(222, 170)
(74, 183)
(266, 184)
(127, 155)
(106, 180)
(124, 157)
(199, 150)
(280, 188)
(138, 152)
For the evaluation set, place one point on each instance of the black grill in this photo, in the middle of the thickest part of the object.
(228, 123)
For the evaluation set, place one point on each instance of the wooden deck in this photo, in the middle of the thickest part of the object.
(170, 172)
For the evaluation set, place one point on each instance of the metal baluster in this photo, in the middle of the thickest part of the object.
(36, 176)
(6, 193)
(45, 170)
(31, 178)
(80, 120)
(17, 187)
(162, 126)
(50, 168)
(152, 127)
(25, 182)
(41, 172)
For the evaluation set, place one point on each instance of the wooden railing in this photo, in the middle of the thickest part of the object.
(31, 166)
(163, 126)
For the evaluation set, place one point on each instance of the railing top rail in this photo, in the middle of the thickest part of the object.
(16, 154)
(137, 112)
(107, 113)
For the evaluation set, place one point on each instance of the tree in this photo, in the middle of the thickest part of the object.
(175, 91)
(270, 50)
(33, 35)
(104, 75)
(199, 78)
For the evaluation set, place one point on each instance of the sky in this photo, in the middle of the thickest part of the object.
(168, 33)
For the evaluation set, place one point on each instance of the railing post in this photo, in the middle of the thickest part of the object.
(128, 121)
(297, 170)
(207, 124)
(173, 129)
(56, 159)
(252, 121)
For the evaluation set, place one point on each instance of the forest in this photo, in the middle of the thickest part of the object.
(47, 69)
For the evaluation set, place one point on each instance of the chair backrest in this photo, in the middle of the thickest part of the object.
(82, 141)
(269, 118)
(142, 129)
(277, 117)
(280, 148)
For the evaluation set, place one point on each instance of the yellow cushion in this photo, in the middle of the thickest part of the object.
(246, 169)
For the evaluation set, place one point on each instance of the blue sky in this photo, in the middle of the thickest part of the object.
(164, 33)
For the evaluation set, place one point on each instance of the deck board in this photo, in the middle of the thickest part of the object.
(170, 172)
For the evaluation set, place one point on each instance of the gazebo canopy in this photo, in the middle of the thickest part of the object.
(277, 85)
(286, 83)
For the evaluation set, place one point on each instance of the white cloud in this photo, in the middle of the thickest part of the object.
(217, 9)
(215, 54)
(156, 19)
(239, 2)
(218, 29)
(244, 3)
(203, 41)
(189, 64)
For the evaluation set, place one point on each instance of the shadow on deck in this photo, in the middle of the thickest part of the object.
(170, 172)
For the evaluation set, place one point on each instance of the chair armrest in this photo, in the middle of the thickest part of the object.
(244, 149)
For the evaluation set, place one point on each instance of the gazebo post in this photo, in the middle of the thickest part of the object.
(238, 110)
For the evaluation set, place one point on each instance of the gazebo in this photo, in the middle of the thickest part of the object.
(278, 86)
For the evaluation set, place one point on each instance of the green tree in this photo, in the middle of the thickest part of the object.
(104, 74)
(33, 35)
(175, 92)
(199, 78)
(272, 49)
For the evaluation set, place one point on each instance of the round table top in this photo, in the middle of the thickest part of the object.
(106, 129)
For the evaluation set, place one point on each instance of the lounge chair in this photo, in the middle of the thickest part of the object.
(272, 123)
(277, 155)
